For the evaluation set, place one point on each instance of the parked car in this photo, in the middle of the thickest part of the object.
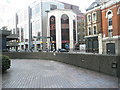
(63, 50)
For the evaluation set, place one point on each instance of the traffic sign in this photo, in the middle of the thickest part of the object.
(67, 45)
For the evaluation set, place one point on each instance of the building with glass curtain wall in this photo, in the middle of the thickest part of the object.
(32, 24)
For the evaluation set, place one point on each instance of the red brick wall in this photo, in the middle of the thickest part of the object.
(115, 18)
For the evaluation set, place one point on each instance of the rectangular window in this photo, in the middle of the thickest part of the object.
(37, 9)
(89, 31)
(33, 11)
(95, 30)
(110, 32)
(89, 18)
(53, 7)
(110, 22)
(94, 17)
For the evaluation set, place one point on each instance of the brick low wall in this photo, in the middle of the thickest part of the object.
(99, 63)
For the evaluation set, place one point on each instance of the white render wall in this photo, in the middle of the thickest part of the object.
(58, 13)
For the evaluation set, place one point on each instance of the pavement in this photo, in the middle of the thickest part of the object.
(36, 73)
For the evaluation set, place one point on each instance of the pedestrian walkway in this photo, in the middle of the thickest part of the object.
(34, 73)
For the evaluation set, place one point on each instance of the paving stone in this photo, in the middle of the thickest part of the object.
(34, 73)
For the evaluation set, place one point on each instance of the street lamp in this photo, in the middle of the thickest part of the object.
(35, 45)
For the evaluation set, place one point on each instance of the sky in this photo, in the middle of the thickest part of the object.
(9, 7)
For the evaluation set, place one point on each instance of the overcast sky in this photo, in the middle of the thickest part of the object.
(9, 7)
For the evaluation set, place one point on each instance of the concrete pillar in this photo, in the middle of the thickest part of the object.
(48, 33)
(71, 33)
(58, 32)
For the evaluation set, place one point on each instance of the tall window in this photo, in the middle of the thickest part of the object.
(89, 18)
(74, 30)
(89, 31)
(95, 30)
(52, 28)
(118, 11)
(109, 21)
(37, 8)
(109, 16)
(64, 29)
(110, 32)
(94, 16)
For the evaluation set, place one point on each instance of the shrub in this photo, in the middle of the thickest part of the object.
(5, 62)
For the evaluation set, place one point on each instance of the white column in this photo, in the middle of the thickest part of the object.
(48, 32)
(100, 43)
(58, 31)
(76, 29)
(71, 33)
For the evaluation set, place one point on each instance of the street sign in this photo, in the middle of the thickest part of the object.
(66, 45)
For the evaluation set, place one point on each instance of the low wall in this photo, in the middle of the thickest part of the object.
(100, 63)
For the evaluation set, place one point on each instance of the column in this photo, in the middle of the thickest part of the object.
(71, 33)
(58, 31)
(100, 43)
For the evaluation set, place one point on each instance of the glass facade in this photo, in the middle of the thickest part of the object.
(74, 31)
(52, 32)
(64, 30)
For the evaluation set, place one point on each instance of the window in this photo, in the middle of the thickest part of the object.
(109, 12)
(53, 7)
(94, 16)
(37, 9)
(95, 30)
(109, 15)
(89, 31)
(118, 11)
(65, 27)
(110, 22)
(110, 32)
(89, 18)
(33, 11)
(37, 25)
(52, 28)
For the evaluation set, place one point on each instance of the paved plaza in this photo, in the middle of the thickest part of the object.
(34, 73)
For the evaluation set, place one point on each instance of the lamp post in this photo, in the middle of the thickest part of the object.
(35, 45)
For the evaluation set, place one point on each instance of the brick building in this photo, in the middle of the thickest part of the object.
(81, 30)
(111, 27)
(93, 28)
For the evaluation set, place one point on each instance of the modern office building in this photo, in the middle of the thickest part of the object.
(74, 8)
(111, 27)
(31, 23)
(62, 29)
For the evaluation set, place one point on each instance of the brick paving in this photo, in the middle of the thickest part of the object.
(34, 73)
